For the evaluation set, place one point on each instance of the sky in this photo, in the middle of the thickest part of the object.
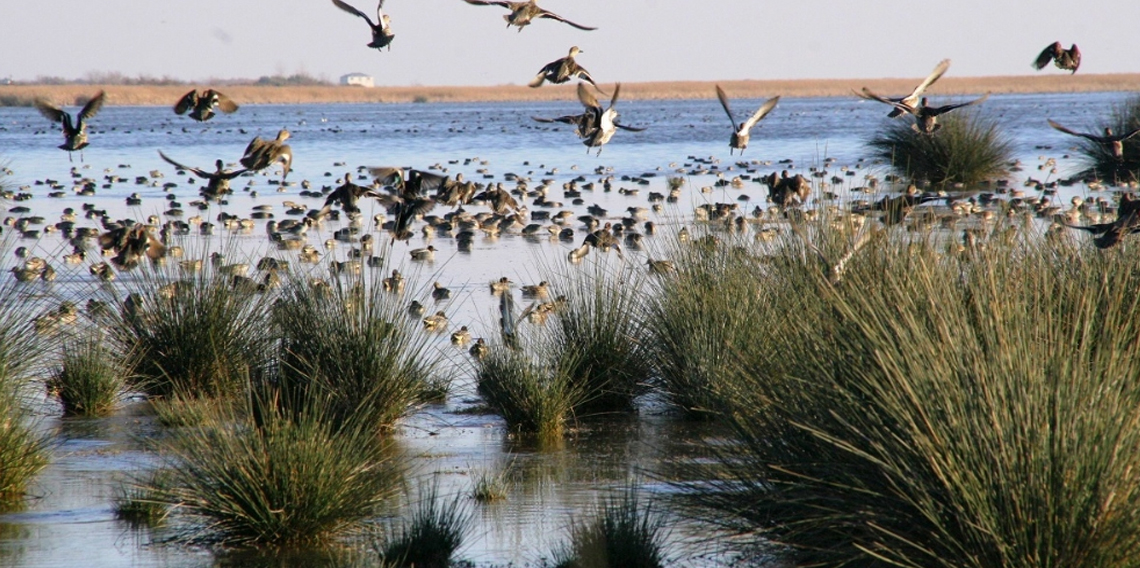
(449, 42)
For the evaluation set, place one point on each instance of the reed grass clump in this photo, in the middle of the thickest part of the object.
(489, 486)
(624, 532)
(282, 479)
(532, 397)
(89, 378)
(350, 343)
(432, 536)
(969, 148)
(1099, 158)
(140, 502)
(196, 337)
(935, 411)
(23, 451)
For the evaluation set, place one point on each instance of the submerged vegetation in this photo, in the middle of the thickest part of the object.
(968, 148)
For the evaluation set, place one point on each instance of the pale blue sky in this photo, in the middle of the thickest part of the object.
(448, 42)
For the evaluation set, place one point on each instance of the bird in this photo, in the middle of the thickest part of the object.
(436, 322)
(605, 121)
(427, 253)
(347, 194)
(262, 153)
(382, 35)
(1066, 59)
(785, 190)
(461, 337)
(539, 290)
(910, 101)
(1108, 235)
(479, 349)
(742, 133)
(501, 285)
(131, 243)
(74, 132)
(926, 116)
(523, 12)
(219, 180)
(1114, 142)
(583, 123)
(201, 104)
(562, 70)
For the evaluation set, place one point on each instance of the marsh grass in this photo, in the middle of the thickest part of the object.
(532, 396)
(969, 148)
(932, 409)
(141, 502)
(193, 337)
(1099, 159)
(432, 536)
(23, 451)
(623, 532)
(489, 486)
(351, 343)
(89, 378)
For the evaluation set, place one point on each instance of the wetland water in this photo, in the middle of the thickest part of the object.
(70, 521)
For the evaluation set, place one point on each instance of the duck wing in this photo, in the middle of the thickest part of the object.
(50, 111)
(225, 104)
(760, 113)
(198, 172)
(587, 98)
(629, 128)
(1047, 55)
(552, 16)
(1074, 57)
(617, 91)
(550, 69)
(1093, 137)
(353, 11)
(870, 95)
(947, 108)
(91, 108)
(930, 79)
(1094, 229)
(387, 175)
(720, 94)
(489, 3)
(420, 181)
(187, 102)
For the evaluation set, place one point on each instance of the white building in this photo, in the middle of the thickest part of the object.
(357, 79)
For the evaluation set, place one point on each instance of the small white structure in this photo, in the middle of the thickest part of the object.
(357, 79)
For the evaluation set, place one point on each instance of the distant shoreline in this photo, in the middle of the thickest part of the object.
(148, 95)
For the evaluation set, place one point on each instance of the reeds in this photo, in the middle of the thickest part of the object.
(351, 343)
(23, 451)
(432, 536)
(140, 502)
(532, 397)
(969, 148)
(89, 378)
(624, 532)
(937, 409)
(282, 479)
(1099, 158)
(193, 337)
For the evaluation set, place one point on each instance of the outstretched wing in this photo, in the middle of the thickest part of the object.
(352, 11)
(947, 108)
(617, 91)
(1047, 55)
(488, 3)
(50, 111)
(553, 16)
(92, 107)
(587, 98)
(186, 102)
(872, 96)
(424, 181)
(761, 113)
(388, 175)
(930, 79)
(1094, 229)
(1075, 57)
(720, 94)
(1092, 137)
(225, 104)
(630, 128)
(194, 171)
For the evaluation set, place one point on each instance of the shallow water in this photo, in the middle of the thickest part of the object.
(71, 518)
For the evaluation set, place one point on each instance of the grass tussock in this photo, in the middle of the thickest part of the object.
(197, 337)
(969, 148)
(489, 486)
(932, 409)
(351, 344)
(624, 532)
(279, 480)
(432, 536)
(141, 502)
(531, 396)
(1100, 160)
(23, 451)
(89, 378)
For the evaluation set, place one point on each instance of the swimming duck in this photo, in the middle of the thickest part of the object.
(926, 117)
(394, 283)
(436, 322)
(74, 133)
(261, 153)
(439, 292)
(218, 183)
(523, 12)
(1114, 142)
(1066, 59)
(479, 349)
(539, 290)
(902, 104)
(501, 285)
(416, 309)
(461, 337)
(562, 70)
(382, 35)
(427, 253)
(201, 104)
(660, 266)
(605, 121)
(743, 132)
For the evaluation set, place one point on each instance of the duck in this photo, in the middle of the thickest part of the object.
(1065, 59)
(436, 322)
(416, 309)
(439, 292)
(742, 133)
(218, 181)
(427, 253)
(902, 104)
(1113, 142)
(583, 123)
(522, 13)
(261, 153)
(479, 349)
(1127, 222)
(539, 290)
(604, 121)
(562, 70)
(461, 337)
(74, 132)
(500, 286)
(661, 266)
(201, 104)
(576, 255)
(926, 116)
(393, 283)
(382, 35)
(347, 195)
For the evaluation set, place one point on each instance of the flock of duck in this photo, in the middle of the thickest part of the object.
(409, 195)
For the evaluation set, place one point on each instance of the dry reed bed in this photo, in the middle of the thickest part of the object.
(145, 95)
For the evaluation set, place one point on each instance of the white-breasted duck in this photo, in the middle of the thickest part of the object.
(743, 132)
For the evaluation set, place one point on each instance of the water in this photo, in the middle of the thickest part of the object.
(71, 516)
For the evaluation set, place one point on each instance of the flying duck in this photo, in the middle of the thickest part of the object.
(742, 133)
(74, 133)
(1067, 59)
(382, 35)
(219, 180)
(926, 117)
(1114, 142)
(523, 12)
(562, 70)
(201, 104)
(605, 121)
(910, 101)
(261, 153)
